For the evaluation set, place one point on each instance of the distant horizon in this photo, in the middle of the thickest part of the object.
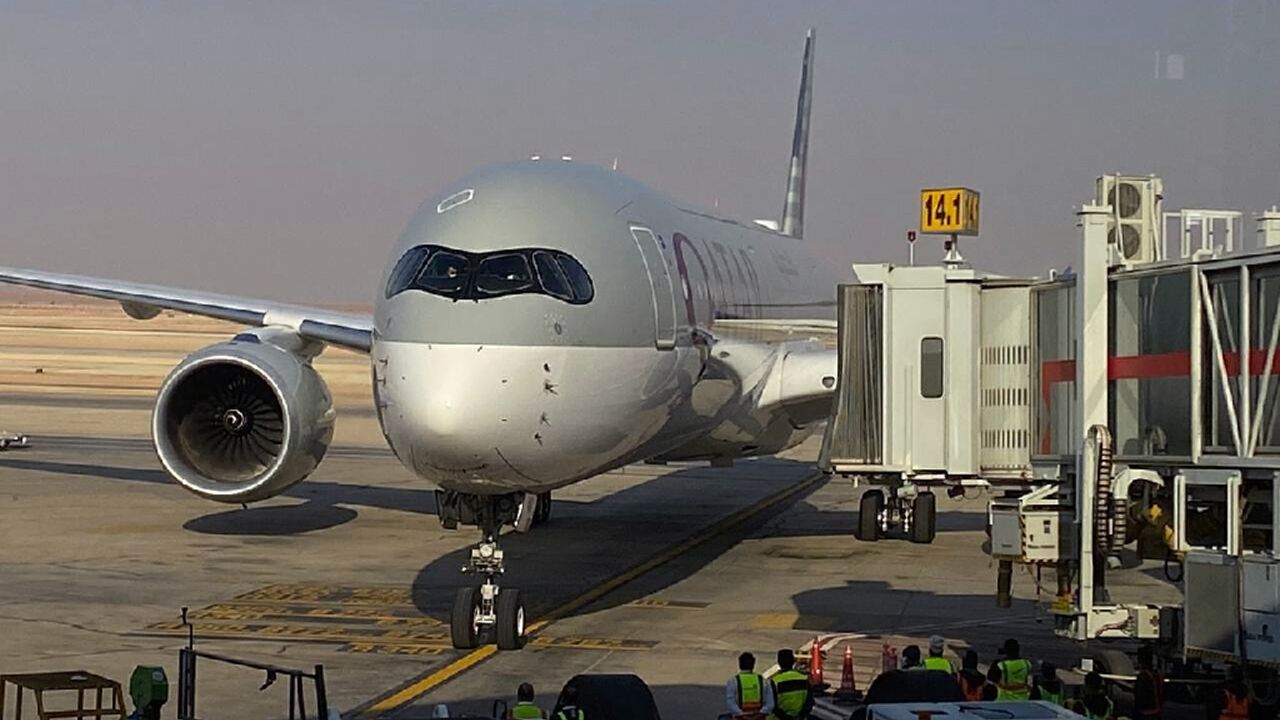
(278, 150)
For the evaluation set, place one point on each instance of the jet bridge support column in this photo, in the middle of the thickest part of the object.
(1091, 384)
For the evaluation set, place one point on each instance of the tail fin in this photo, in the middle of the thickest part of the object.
(793, 211)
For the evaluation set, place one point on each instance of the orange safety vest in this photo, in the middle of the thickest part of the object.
(971, 684)
(1234, 708)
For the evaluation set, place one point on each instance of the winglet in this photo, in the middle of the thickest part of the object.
(793, 211)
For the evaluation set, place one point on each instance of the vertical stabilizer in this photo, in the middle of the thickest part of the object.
(793, 211)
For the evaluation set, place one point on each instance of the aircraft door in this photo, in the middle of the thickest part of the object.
(664, 299)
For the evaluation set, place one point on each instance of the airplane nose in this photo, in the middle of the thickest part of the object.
(442, 407)
(441, 414)
(496, 419)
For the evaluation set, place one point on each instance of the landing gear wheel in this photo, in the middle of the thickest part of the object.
(465, 626)
(924, 518)
(510, 612)
(869, 511)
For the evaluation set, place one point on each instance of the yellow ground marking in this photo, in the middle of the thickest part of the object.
(410, 693)
(669, 604)
(302, 633)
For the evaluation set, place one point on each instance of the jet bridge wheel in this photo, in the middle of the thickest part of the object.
(465, 619)
(510, 620)
(924, 518)
(870, 508)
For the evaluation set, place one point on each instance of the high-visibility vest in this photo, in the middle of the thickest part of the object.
(569, 712)
(971, 684)
(1015, 674)
(527, 711)
(937, 662)
(1106, 715)
(790, 692)
(1234, 708)
(750, 693)
(1058, 698)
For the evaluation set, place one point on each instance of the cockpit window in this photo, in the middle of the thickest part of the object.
(462, 275)
(578, 277)
(504, 274)
(445, 273)
(552, 277)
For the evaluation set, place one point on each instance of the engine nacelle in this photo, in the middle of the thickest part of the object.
(244, 420)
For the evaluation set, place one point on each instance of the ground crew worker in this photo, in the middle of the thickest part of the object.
(1148, 688)
(971, 680)
(1048, 687)
(1015, 673)
(991, 690)
(1235, 697)
(792, 697)
(524, 708)
(911, 658)
(569, 705)
(746, 694)
(1094, 703)
(936, 661)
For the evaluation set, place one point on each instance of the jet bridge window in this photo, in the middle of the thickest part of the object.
(461, 275)
(931, 367)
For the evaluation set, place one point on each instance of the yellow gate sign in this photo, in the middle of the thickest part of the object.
(949, 211)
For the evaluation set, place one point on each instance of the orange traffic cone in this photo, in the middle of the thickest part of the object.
(848, 684)
(816, 659)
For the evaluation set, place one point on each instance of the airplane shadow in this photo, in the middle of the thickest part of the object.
(577, 550)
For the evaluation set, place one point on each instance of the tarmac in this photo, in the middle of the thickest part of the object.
(667, 572)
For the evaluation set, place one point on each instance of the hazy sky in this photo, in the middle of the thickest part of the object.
(277, 149)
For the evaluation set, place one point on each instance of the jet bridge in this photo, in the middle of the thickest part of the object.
(936, 389)
(1135, 402)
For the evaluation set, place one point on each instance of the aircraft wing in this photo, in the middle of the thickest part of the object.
(143, 302)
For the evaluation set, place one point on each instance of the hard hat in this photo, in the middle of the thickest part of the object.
(440, 711)
(937, 645)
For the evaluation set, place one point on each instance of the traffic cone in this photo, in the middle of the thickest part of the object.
(848, 684)
(816, 660)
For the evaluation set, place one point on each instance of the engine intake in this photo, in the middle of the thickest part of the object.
(244, 420)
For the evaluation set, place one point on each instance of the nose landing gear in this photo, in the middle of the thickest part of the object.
(489, 608)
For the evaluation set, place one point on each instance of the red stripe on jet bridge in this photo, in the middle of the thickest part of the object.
(1145, 367)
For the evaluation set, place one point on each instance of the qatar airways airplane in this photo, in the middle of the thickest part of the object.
(538, 323)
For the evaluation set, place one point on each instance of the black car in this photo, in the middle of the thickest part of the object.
(611, 697)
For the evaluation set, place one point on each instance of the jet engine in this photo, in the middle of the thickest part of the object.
(244, 420)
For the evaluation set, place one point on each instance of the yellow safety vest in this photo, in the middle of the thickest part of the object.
(790, 692)
(1014, 677)
(750, 693)
(937, 662)
(527, 711)
(1057, 698)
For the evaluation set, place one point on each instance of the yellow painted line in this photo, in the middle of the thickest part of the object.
(415, 690)
(411, 693)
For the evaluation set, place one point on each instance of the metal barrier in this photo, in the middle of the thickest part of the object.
(188, 656)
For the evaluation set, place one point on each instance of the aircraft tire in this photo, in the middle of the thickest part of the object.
(869, 509)
(510, 612)
(463, 627)
(924, 518)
